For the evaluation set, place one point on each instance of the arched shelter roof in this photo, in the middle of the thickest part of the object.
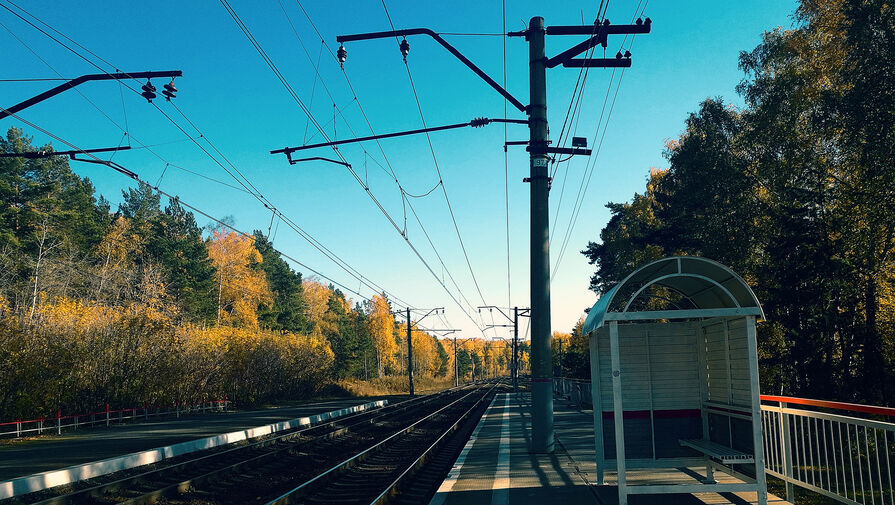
(702, 288)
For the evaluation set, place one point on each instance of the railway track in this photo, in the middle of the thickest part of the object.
(309, 465)
(407, 465)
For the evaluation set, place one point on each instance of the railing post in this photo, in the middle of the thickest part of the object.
(787, 453)
(19, 428)
(59, 422)
(40, 425)
(107, 414)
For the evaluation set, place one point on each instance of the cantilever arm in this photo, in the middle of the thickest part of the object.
(315, 158)
(81, 80)
(475, 123)
(425, 31)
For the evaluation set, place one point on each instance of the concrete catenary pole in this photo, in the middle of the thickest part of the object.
(515, 349)
(542, 439)
(409, 352)
(456, 365)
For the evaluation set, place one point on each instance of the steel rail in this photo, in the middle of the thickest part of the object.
(408, 473)
(286, 498)
(185, 485)
(153, 495)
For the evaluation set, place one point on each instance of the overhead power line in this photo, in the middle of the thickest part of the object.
(244, 182)
(591, 165)
(132, 175)
(247, 32)
(391, 170)
(426, 130)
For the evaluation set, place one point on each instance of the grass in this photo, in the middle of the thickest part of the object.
(802, 496)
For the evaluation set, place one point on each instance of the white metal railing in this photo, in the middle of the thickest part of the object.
(577, 390)
(106, 417)
(844, 451)
(838, 455)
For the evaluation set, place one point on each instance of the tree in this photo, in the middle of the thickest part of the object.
(795, 192)
(287, 310)
(341, 333)
(176, 244)
(242, 285)
(626, 239)
(380, 325)
(114, 269)
(316, 297)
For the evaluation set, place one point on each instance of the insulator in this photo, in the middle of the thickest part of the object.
(148, 91)
(627, 54)
(639, 21)
(618, 55)
(405, 48)
(341, 54)
(169, 91)
(605, 22)
(479, 122)
(648, 21)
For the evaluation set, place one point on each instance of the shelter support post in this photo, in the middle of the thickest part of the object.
(758, 447)
(596, 401)
(702, 346)
(618, 413)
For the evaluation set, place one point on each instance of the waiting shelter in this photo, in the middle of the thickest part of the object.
(674, 371)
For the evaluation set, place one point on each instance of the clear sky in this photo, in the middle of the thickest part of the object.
(234, 99)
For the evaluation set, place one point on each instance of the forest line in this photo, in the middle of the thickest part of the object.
(143, 306)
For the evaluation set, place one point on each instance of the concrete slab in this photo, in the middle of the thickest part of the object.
(497, 468)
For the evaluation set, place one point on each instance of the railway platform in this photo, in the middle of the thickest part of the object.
(496, 467)
(26, 457)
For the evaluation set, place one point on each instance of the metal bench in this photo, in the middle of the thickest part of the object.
(722, 453)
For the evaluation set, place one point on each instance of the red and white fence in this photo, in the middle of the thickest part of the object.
(106, 417)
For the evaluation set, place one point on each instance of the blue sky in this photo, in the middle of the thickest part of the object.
(234, 99)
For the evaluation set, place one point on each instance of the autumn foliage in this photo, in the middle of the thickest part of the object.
(142, 306)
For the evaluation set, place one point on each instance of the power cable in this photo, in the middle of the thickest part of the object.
(437, 168)
(506, 160)
(247, 32)
(387, 162)
(253, 191)
(574, 112)
(589, 170)
(124, 129)
(117, 167)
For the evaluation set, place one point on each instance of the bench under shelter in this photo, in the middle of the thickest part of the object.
(674, 373)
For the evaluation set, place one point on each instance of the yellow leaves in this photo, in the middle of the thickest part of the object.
(380, 325)
(242, 286)
(72, 315)
(5, 309)
(77, 356)
(315, 297)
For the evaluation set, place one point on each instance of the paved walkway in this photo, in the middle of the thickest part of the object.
(82, 446)
(496, 468)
